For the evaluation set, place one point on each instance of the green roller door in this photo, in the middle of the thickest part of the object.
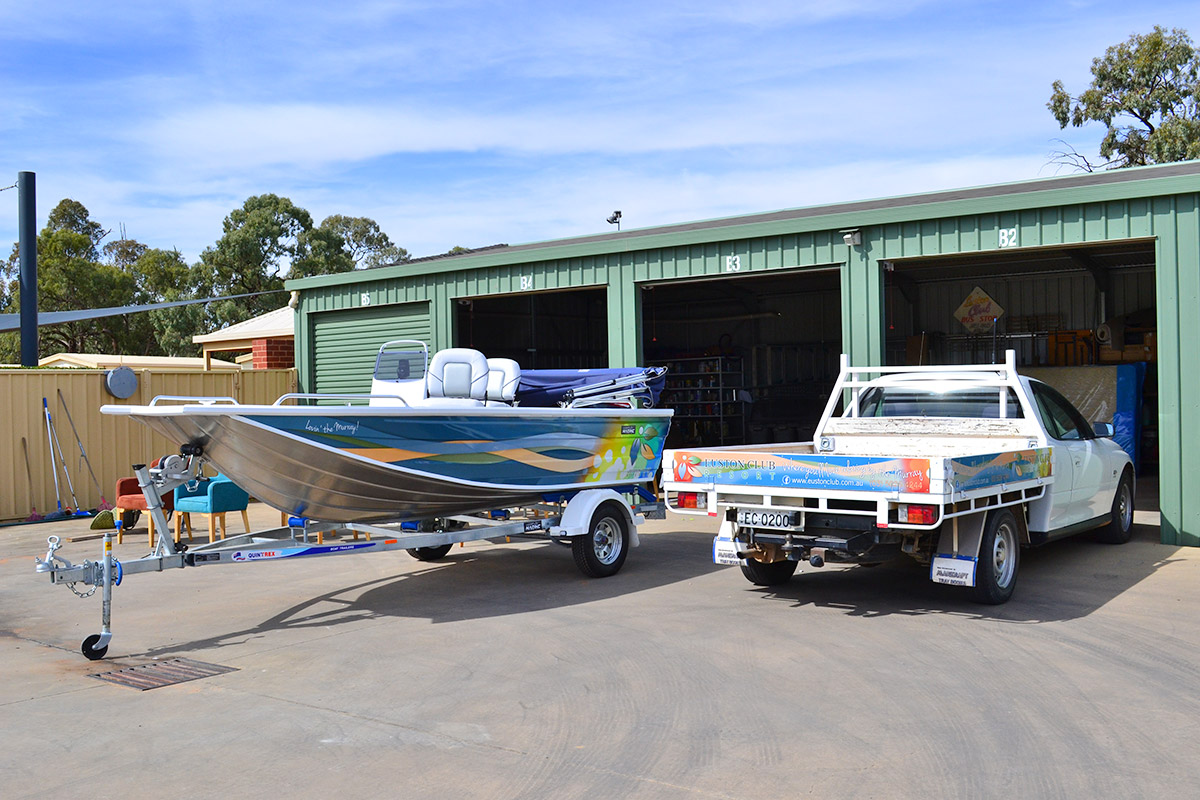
(345, 342)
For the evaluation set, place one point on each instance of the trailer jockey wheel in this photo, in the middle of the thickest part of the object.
(89, 649)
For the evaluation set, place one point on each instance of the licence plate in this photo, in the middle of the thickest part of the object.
(779, 520)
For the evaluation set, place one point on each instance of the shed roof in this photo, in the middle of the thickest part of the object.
(107, 361)
(1087, 187)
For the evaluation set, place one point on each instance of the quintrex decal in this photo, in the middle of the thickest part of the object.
(256, 555)
(292, 552)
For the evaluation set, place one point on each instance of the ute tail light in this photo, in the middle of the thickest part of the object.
(692, 500)
(916, 514)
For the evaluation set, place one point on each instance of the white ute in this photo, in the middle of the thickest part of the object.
(957, 467)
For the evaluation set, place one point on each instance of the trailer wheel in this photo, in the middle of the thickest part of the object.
(601, 552)
(89, 649)
(429, 553)
(1119, 530)
(999, 558)
(776, 573)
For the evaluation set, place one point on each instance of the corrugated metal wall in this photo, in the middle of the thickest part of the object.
(345, 343)
(1164, 209)
(113, 444)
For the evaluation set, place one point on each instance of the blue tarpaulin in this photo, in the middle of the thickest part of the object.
(1127, 418)
(549, 387)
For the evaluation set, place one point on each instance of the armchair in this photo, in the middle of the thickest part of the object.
(129, 499)
(212, 497)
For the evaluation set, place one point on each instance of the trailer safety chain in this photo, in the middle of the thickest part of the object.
(82, 595)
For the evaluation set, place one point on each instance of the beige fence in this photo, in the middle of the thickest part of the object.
(112, 443)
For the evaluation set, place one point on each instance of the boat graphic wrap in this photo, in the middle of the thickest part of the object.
(516, 452)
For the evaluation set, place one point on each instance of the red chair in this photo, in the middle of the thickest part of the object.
(130, 498)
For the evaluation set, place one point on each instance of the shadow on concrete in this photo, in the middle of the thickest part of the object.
(481, 582)
(1062, 580)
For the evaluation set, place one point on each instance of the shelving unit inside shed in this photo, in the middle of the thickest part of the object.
(705, 393)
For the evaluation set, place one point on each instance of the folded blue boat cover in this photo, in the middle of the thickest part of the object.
(548, 387)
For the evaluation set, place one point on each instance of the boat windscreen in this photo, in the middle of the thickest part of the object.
(400, 365)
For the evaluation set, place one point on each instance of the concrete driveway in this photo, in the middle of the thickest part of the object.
(501, 673)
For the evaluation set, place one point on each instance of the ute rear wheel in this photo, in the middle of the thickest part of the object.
(776, 573)
(601, 551)
(999, 558)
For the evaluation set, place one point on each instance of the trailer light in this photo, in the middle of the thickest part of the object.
(916, 514)
(693, 500)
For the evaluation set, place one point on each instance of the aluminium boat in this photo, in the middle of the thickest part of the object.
(454, 434)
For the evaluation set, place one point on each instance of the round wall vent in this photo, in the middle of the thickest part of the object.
(121, 382)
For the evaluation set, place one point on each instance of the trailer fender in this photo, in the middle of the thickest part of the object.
(577, 516)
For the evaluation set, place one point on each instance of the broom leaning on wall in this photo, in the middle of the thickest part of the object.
(104, 518)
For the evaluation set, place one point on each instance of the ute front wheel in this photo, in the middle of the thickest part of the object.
(1119, 530)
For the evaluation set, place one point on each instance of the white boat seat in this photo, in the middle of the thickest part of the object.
(457, 372)
(503, 376)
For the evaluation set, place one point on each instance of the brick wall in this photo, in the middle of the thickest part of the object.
(274, 353)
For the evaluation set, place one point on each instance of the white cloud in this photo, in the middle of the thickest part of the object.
(545, 207)
(486, 123)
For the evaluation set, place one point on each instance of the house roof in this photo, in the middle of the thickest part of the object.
(272, 325)
(107, 361)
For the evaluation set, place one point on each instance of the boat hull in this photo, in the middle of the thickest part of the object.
(345, 464)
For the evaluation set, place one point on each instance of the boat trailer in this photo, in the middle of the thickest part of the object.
(600, 525)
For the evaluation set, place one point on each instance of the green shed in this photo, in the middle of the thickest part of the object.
(1096, 275)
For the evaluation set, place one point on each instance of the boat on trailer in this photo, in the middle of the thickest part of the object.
(453, 434)
(446, 450)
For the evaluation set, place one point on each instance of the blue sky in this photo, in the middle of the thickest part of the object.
(469, 123)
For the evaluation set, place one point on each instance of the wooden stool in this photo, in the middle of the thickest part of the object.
(120, 512)
(185, 518)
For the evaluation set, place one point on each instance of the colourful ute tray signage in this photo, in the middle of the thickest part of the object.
(981, 472)
(805, 471)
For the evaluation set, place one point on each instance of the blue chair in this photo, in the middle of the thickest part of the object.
(212, 497)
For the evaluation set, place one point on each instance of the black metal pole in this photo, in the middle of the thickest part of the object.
(995, 320)
(27, 244)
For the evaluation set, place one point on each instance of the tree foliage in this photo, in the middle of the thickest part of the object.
(1145, 90)
(266, 241)
(364, 242)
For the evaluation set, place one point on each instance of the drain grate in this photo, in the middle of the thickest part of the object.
(162, 673)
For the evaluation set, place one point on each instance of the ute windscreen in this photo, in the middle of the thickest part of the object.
(972, 403)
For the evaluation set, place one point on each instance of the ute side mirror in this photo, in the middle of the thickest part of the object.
(1103, 429)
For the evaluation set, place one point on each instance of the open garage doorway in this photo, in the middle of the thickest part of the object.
(752, 358)
(538, 330)
(1080, 317)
